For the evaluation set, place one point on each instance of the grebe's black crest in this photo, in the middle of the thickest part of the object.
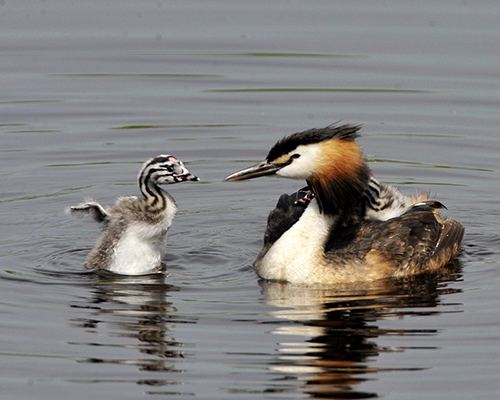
(315, 135)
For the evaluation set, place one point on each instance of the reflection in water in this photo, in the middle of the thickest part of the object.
(134, 308)
(339, 327)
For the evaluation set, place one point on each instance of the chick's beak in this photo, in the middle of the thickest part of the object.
(191, 177)
(185, 176)
(261, 169)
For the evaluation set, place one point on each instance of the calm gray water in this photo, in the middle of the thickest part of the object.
(90, 90)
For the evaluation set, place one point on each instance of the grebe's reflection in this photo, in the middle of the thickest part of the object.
(133, 313)
(329, 334)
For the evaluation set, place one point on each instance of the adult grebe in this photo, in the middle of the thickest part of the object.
(345, 226)
(134, 238)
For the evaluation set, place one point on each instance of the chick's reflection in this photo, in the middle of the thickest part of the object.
(133, 313)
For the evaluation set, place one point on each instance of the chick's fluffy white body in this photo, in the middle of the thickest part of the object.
(142, 246)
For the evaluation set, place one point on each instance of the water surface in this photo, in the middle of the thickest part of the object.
(91, 90)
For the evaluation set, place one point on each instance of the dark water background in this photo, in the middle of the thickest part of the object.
(91, 89)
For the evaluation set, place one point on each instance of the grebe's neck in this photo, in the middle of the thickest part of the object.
(341, 196)
(155, 197)
(340, 177)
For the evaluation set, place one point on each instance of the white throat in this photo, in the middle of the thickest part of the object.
(299, 253)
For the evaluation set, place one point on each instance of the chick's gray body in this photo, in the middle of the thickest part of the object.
(134, 238)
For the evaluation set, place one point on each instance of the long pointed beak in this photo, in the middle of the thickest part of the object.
(261, 169)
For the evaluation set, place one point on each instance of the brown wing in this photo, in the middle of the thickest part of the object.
(416, 242)
(450, 240)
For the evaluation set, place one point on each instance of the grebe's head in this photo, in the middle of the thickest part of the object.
(165, 169)
(329, 159)
(330, 152)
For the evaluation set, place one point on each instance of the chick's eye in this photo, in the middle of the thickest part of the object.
(295, 155)
(170, 168)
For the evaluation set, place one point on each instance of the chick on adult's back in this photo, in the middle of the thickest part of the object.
(134, 238)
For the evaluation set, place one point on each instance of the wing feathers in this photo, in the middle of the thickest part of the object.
(90, 208)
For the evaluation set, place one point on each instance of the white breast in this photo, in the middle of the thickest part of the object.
(141, 249)
(299, 253)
